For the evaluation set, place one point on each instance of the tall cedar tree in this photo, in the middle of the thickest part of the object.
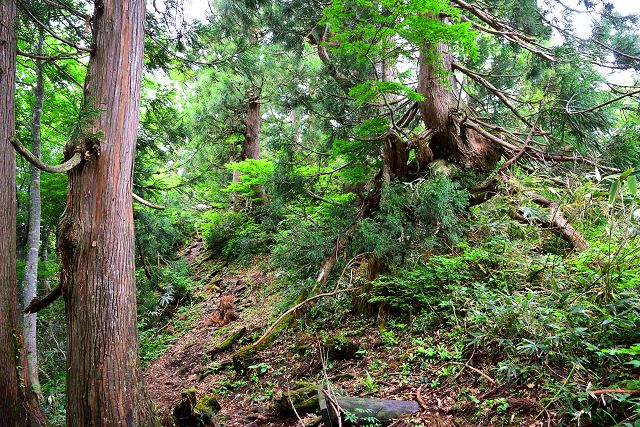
(17, 403)
(96, 240)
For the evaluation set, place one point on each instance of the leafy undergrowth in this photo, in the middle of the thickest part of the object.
(493, 334)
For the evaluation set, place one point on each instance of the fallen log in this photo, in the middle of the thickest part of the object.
(361, 411)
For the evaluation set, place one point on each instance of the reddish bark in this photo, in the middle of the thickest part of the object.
(251, 143)
(96, 241)
(17, 403)
(11, 406)
(442, 112)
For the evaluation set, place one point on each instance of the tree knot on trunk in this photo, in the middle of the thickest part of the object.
(87, 143)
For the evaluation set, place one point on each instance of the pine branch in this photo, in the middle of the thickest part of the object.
(49, 30)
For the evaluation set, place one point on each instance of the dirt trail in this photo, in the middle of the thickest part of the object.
(177, 369)
(377, 370)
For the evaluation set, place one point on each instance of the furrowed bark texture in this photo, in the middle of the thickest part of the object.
(17, 404)
(12, 412)
(441, 112)
(96, 240)
(33, 237)
(251, 143)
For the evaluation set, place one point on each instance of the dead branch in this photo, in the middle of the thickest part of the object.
(497, 92)
(604, 104)
(49, 30)
(476, 370)
(556, 222)
(322, 199)
(504, 30)
(146, 202)
(613, 390)
(38, 304)
(419, 398)
(294, 309)
(35, 161)
(48, 57)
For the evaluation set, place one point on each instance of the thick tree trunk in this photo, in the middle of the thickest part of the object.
(17, 405)
(11, 403)
(395, 153)
(442, 112)
(251, 143)
(96, 241)
(33, 238)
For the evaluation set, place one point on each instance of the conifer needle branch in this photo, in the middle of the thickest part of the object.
(604, 104)
(35, 161)
(484, 82)
(147, 203)
(49, 30)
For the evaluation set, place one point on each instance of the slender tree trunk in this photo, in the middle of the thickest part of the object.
(96, 240)
(17, 405)
(44, 246)
(33, 239)
(442, 111)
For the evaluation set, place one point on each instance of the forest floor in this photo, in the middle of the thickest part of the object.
(392, 363)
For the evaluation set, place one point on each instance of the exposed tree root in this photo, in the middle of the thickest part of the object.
(556, 222)
(233, 338)
(247, 353)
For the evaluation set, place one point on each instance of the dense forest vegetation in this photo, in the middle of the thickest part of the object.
(249, 213)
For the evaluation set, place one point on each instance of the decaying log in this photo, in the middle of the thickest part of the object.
(213, 368)
(556, 222)
(337, 346)
(191, 412)
(384, 411)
